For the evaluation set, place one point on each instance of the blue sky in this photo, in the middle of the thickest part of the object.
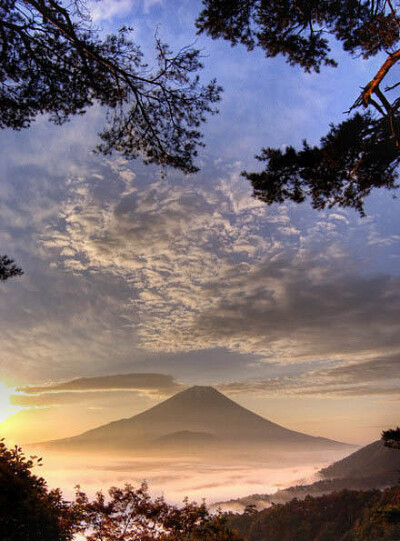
(291, 311)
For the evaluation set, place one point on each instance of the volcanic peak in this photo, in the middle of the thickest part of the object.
(200, 392)
(196, 410)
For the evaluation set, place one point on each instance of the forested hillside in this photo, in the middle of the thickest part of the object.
(340, 516)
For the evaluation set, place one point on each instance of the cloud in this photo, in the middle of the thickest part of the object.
(298, 308)
(375, 377)
(125, 265)
(109, 10)
(167, 240)
(123, 400)
(59, 323)
(216, 268)
(380, 368)
(158, 384)
(103, 398)
(308, 385)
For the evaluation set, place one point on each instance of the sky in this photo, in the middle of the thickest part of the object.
(138, 283)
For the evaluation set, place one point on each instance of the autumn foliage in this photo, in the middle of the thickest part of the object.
(340, 516)
(29, 511)
(131, 514)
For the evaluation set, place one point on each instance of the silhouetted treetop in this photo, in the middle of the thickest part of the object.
(29, 511)
(53, 61)
(299, 29)
(8, 268)
(352, 159)
(358, 154)
(391, 438)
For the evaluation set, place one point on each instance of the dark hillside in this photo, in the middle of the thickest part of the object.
(372, 460)
(340, 516)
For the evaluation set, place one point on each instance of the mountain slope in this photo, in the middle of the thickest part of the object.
(371, 467)
(195, 410)
(372, 460)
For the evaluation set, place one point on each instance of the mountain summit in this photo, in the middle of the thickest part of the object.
(198, 415)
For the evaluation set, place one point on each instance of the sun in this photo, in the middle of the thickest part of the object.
(6, 408)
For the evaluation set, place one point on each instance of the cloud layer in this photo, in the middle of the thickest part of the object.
(159, 384)
(134, 265)
(378, 376)
(215, 268)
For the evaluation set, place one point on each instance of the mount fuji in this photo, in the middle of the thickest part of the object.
(198, 418)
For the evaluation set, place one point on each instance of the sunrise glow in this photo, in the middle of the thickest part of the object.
(6, 408)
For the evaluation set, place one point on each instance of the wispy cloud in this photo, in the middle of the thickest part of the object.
(115, 10)
(158, 384)
(294, 308)
(377, 376)
(108, 10)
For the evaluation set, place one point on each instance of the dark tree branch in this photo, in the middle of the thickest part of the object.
(373, 85)
(57, 64)
(8, 268)
(356, 155)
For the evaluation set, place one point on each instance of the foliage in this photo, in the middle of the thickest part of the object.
(130, 514)
(8, 269)
(28, 510)
(343, 516)
(300, 32)
(352, 159)
(391, 438)
(53, 61)
(382, 520)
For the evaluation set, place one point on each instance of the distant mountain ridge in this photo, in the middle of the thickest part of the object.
(199, 413)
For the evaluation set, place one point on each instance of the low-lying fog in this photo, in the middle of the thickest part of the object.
(219, 478)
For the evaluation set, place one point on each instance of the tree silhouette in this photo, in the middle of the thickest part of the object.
(8, 268)
(391, 438)
(130, 514)
(363, 151)
(352, 159)
(28, 510)
(53, 61)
